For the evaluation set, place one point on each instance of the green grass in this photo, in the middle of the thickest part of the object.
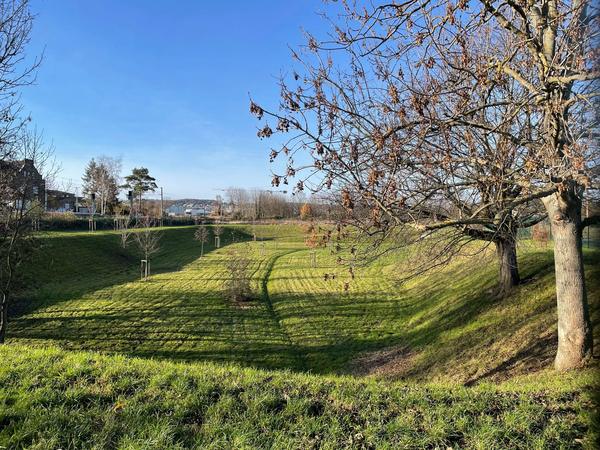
(51, 398)
(273, 372)
(444, 325)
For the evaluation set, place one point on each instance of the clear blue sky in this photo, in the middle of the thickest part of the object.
(164, 84)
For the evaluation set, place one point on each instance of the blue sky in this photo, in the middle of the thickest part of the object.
(164, 84)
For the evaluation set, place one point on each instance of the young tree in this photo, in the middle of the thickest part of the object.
(459, 117)
(217, 232)
(237, 284)
(140, 182)
(124, 230)
(201, 234)
(148, 242)
(312, 241)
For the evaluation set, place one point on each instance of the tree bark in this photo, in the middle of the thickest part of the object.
(3, 317)
(506, 249)
(575, 339)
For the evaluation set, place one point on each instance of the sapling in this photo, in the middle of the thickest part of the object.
(201, 235)
(147, 241)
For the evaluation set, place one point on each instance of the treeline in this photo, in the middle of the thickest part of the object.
(256, 204)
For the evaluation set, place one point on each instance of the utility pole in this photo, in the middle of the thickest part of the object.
(161, 206)
(76, 194)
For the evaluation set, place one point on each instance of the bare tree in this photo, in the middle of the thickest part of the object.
(16, 22)
(102, 178)
(21, 197)
(456, 117)
(124, 227)
(237, 284)
(218, 209)
(217, 232)
(148, 243)
(201, 234)
(238, 199)
(16, 241)
(312, 241)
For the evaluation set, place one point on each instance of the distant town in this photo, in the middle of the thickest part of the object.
(103, 195)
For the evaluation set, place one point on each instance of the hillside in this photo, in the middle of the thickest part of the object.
(445, 325)
(437, 362)
(56, 399)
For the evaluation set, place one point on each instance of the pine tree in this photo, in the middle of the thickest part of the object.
(140, 182)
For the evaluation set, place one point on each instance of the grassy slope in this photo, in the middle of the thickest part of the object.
(51, 398)
(445, 325)
(91, 298)
(447, 322)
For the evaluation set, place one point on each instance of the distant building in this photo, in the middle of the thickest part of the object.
(24, 180)
(190, 207)
(60, 201)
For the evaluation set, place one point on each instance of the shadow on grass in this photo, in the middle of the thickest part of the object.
(445, 318)
(69, 265)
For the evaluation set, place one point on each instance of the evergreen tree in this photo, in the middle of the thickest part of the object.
(140, 182)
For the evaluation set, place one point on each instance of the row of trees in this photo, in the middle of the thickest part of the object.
(255, 204)
(462, 120)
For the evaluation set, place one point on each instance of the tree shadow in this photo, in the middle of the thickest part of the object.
(69, 265)
(442, 320)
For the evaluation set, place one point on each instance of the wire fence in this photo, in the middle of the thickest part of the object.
(542, 234)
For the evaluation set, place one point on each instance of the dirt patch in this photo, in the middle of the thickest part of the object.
(391, 362)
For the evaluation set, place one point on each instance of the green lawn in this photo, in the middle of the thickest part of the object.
(444, 325)
(52, 399)
(205, 373)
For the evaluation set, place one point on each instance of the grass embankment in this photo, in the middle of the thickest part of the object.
(52, 398)
(436, 332)
(446, 325)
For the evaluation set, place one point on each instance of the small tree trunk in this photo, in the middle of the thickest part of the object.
(201, 249)
(506, 249)
(3, 317)
(574, 327)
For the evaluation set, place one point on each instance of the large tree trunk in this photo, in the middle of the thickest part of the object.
(506, 248)
(3, 317)
(574, 327)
